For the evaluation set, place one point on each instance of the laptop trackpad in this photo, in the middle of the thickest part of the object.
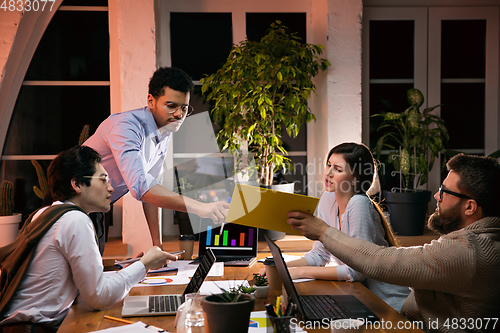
(136, 304)
(355, 308)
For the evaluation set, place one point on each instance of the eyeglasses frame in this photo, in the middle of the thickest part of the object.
(179, 106)
(455, 194)
(104, 177)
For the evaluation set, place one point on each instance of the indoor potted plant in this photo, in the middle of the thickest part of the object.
(415, 140)
(261, 285)
(228, 312)
(261, 91)
(9, 221)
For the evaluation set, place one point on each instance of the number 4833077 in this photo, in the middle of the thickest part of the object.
(27, 5)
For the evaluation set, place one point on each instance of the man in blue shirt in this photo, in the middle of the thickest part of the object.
(133, 146)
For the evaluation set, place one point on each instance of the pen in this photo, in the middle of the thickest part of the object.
(222, 225)
(131, 322)
(118, 319)
(270, 310)
(278, 306)
(129, 261)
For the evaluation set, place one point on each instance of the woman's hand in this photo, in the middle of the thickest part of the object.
(307, 224)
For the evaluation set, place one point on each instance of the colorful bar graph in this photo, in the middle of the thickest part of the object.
(209, 234)
(231, 237)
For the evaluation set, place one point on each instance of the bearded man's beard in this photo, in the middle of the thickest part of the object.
(446, 221)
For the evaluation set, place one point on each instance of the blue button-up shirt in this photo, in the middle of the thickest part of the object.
(133, 150)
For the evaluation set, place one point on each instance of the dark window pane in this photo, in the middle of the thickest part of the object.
(463, 49)
(258, 23)
(256, 27)
(75, 47)
(299, 173)
(463, 114)
(100, 3)
(200, 42)
(385, 98)
(391, 49)
(47, 120)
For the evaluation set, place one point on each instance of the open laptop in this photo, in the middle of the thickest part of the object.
(237, 246)
(317, 307)
(160, 305)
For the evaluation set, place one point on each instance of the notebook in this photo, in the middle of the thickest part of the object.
(317, 307)
(160, 305)
(237, 246)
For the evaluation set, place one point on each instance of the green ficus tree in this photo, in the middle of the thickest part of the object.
(262, 90)
(421, 136)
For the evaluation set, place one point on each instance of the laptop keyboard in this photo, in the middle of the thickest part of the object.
(319, 307)
(163, 303)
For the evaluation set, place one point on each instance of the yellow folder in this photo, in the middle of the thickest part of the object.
(264, 208)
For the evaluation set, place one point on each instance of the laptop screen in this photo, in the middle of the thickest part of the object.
(285, 275)
(235, 240)
(200, 274)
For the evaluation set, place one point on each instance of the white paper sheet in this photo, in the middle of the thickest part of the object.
(213, 287)
(186, 269)
(138, 327)
(259, 324)
(170, 280)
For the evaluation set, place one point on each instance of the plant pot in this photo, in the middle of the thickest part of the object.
(407, 211)
(261, 291)
(9, 228)
(227, 317)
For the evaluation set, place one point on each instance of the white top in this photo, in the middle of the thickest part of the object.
(360, 220)
(67, 262)
(133, 150)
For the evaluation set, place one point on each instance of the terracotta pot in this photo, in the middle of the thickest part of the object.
(227, 317)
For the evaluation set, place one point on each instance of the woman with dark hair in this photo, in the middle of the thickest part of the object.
(349, 174)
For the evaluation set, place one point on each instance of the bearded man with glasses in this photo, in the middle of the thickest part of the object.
(133, 146)
(454, 279)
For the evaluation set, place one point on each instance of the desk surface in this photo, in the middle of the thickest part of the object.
(82, 319)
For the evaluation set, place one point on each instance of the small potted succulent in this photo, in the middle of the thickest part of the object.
(229, 311)
(261, 285)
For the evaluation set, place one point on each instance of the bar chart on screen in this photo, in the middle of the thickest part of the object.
(231, 238)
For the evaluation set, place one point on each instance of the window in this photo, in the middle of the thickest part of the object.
(65, 87)
(445, 53)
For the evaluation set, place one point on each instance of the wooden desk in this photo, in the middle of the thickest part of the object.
(82, 319)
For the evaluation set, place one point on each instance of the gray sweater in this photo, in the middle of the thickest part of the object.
(454, 278)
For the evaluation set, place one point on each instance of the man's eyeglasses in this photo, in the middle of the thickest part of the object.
(104, 178)
(458, 195)
(186, 109)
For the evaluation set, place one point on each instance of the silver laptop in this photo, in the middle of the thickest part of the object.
(161, 305)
